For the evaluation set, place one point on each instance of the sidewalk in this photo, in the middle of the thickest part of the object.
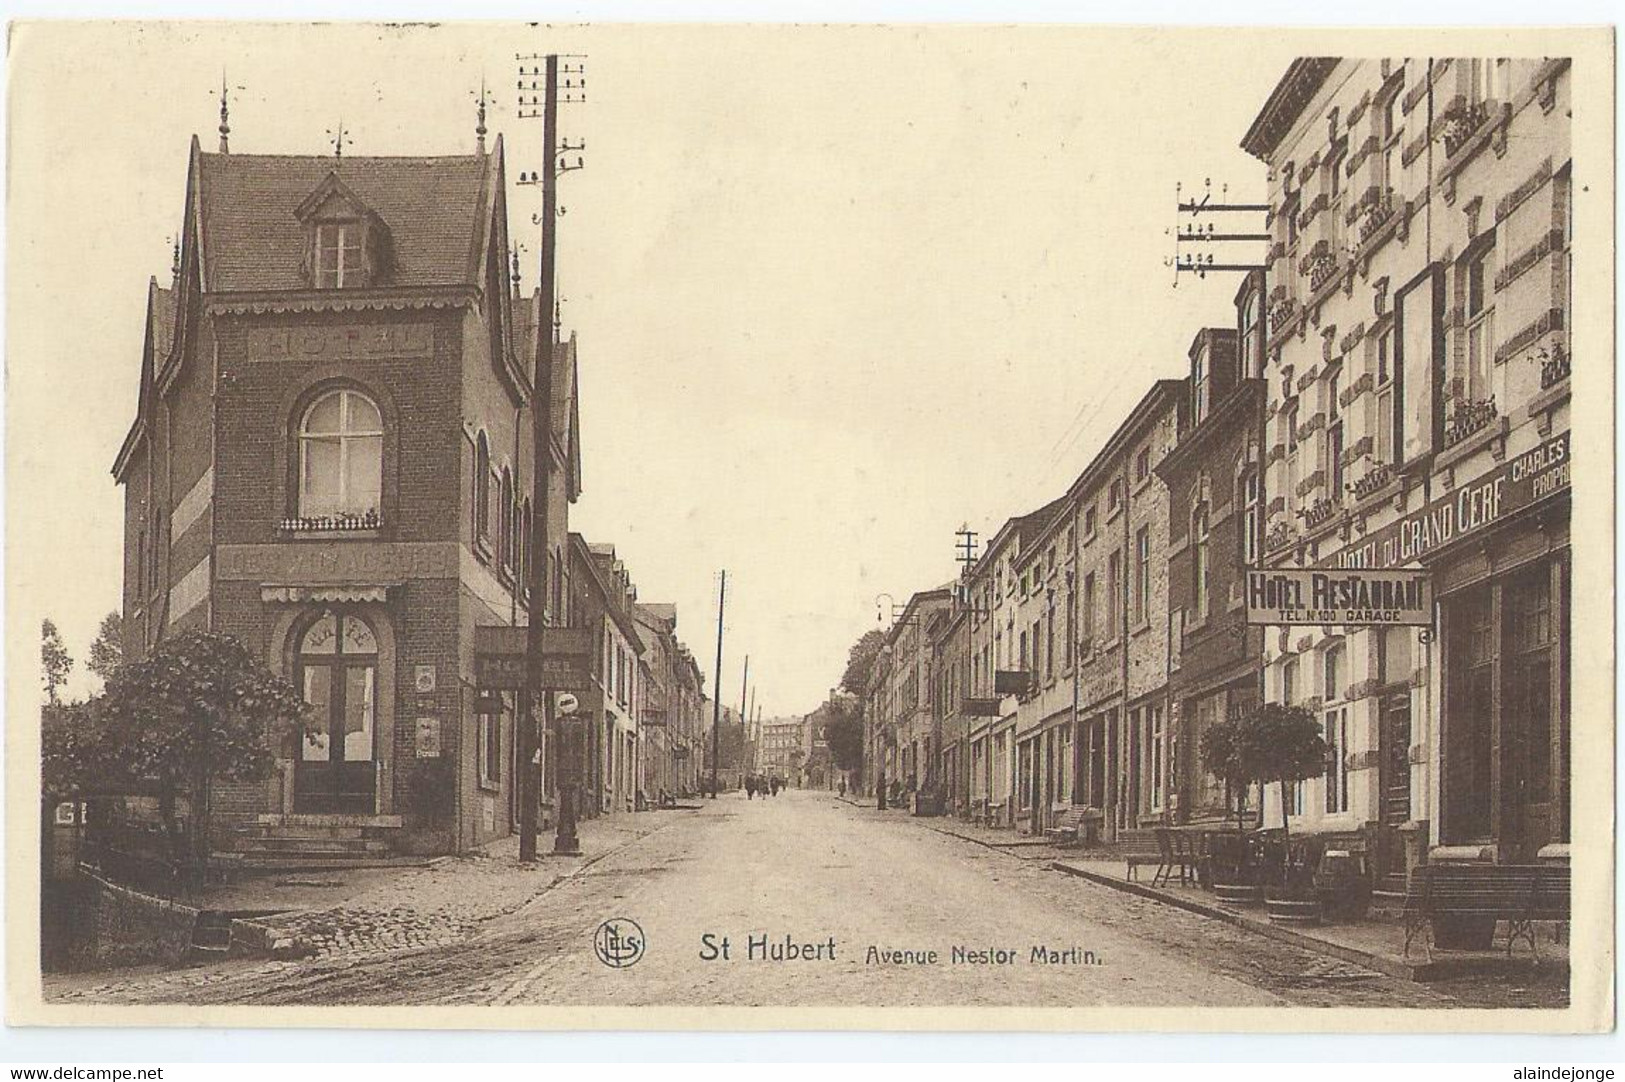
(1377, 944)
(445, 900)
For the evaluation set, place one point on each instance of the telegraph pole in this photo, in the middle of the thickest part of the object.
(716, 688)
(537, 697)
(542, 471)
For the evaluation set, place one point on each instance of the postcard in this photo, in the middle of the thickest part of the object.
(842, 527)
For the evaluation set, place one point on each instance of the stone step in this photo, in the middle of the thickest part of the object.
(348, 846)
(302, 831)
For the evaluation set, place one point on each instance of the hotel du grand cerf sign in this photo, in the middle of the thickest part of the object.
(1375, 580)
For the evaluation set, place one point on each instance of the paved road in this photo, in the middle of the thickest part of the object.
(815, 869)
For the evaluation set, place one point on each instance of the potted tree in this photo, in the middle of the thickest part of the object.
(1234, 871)
(1281, 744)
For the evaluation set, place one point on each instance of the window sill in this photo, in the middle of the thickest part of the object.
(487, 785)
(330, 535)
(1139, 629)
(482, 548)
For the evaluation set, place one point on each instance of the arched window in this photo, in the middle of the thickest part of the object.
(525, 545)
(341, 456)
(1251, 337)
(1199, 559)
(505, 546)
(482, 501)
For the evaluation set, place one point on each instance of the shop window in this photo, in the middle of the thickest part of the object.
(490, 750)
(1528, 690)
(341, 453)
(1469, 721)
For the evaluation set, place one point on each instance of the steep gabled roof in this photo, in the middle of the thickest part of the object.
(567, 412)
(254, 240)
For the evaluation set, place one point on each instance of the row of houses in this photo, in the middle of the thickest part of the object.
(796, 749)
(333, 459)
(1393, 392)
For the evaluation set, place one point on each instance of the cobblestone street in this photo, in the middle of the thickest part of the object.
(802, 865)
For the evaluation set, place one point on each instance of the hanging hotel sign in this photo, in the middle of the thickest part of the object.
(1476, 505)
(499, 658)
(1368, 597)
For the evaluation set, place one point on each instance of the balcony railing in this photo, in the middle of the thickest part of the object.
(1554, 367)
(1318, 512)
(1469, 416)
(1374, 480)
(1376, 216)
(1280, 535)
(1460, 125)
(345, 522)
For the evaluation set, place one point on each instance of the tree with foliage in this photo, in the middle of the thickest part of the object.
(1221, 756)
(1281, 744)
(860, 662)
(76, 752)
(107, 651)
(199, 708)
(55, 663)
(844, 734)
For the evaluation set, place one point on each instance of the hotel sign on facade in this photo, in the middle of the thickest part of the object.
(1477, 505)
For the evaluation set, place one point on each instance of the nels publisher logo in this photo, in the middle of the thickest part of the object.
(618, 943)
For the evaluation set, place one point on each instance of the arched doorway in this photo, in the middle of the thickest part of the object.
(335, 769)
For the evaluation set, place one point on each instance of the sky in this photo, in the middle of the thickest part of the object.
(838, 291)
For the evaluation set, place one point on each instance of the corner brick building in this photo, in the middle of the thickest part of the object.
(332, 461)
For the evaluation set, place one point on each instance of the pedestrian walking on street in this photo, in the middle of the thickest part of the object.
(750, 788)
(843, 788)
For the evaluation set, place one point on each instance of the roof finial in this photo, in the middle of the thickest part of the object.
(175, 262)
(558, 320)
(339, 137)
(225, 124)
(516, 272)
(479, 127)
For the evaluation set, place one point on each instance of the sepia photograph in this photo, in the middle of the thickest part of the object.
(946, 527)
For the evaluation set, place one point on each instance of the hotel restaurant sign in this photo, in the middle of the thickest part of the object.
(1374, 581)
(1325, 596)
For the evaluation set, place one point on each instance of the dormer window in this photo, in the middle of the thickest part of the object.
(1200, 385)
(349, 243)
(340, 259)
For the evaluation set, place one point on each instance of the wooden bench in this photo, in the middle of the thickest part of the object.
(1519, 894)
(1140, 847)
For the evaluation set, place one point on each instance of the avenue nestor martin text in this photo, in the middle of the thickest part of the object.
(765, 947)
